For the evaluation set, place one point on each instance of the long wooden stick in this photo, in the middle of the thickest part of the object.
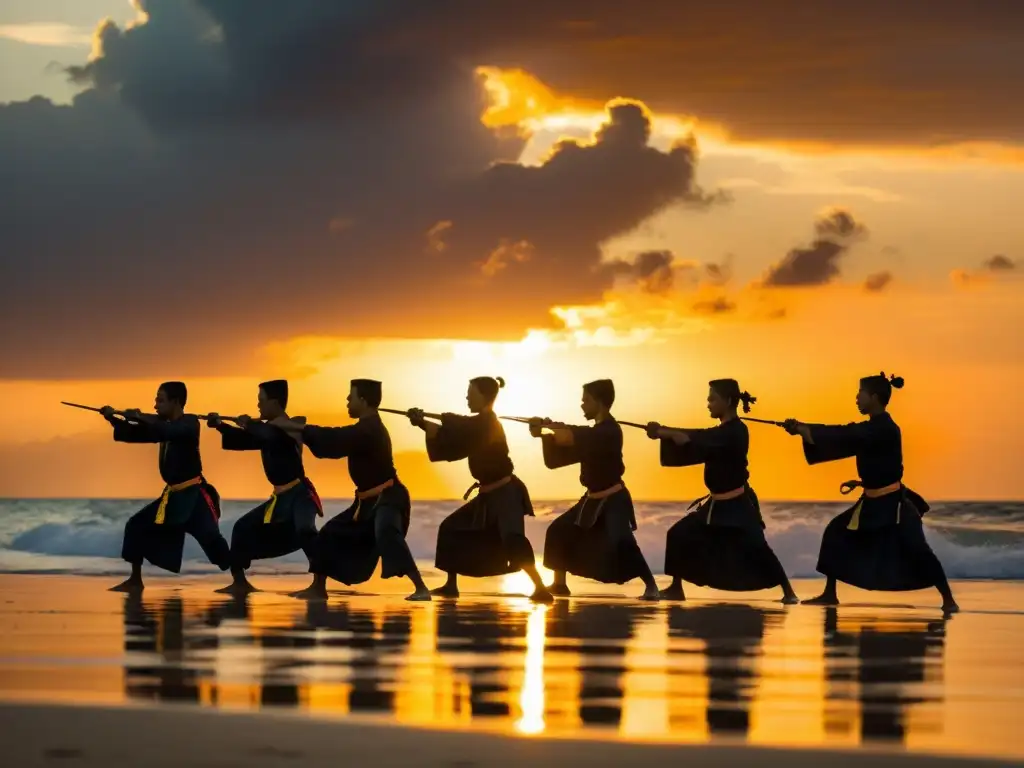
(202, 416)
(763, 421)
(87, 407)
(518, 419)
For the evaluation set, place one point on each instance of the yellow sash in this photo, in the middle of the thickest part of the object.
(362, 496)
(161, 511)
(872, 493)
(278, 490)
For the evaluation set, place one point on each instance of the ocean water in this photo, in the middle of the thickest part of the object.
(974, 540)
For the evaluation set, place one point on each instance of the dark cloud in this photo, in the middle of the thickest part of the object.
(787, 69)
(1000, 263)
(187, 206)
(993, 268)
(243, 170)
(719, 274)
(653, 271)
(877, 282)
(818, 263)
(717, 306)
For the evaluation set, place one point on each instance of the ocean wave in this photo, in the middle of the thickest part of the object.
(974, 540)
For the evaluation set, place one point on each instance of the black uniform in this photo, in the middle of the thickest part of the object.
(487, 536)
(285, 522)
(188, 504)
(373, 528)
(878, 543)
(721, 543)
(594, 539)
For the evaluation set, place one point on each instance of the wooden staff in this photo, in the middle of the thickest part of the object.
(89, 408)
(763, 421)
(203, 416)
(233, 419)
(437, 416)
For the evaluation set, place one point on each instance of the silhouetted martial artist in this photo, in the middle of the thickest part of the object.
(374, 527)
(188, 503)
(486, 536)
(721, 543)
(286, 522)
(594, 539)
(878, 543)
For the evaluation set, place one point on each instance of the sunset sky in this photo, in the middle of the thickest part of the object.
(792, 194)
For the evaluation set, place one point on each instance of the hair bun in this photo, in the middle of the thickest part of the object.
(896, 382)
(501, 382)
(748, 400)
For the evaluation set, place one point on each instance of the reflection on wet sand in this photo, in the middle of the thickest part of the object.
(885, 666)
(690, 672)
(730, 635)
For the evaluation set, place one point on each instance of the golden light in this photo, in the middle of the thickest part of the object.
(532, 696)
(519, 583)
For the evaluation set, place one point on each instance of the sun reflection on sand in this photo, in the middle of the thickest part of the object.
(593, 665)
(531, 698)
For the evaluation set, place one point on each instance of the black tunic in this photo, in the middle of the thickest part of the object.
(194, 510)
(594, 539)
(720, 544)
(879, 542)
(723, 452)
(280, 453)
(179, 445)
(486, 536)
(479, 438)
(877, 446)
(366, 444)
(598, 451)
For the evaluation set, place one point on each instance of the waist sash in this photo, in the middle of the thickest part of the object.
(871, 493)
(487, 488)
(362, 496)
(601, 497)
(278, 490)
(161, 511)
(735, 493)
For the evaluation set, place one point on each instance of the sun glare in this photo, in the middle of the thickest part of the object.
(519, 583)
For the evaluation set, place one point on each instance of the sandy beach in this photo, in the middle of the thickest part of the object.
(883, 674)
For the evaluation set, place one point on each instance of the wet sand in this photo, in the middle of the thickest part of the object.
(491, 677)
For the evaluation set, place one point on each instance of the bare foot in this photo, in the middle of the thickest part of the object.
(128, 585)
(559, 590)
(542, 595)
(950, 606)
(823, 599)
(673, 593)
(651, 594)
(238, 588)
(312, 593)
(446, 590)
(421, 595)
(792, 599)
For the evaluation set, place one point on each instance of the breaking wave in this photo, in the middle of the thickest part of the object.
(974, 540)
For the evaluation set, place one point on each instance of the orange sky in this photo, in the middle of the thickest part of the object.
(943, 320)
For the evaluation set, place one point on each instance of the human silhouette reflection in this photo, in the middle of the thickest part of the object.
(732, 634)
(886, 659)
(161, 627)
(602, 631)
(279, 686)
(373, 667)
(485, 630)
